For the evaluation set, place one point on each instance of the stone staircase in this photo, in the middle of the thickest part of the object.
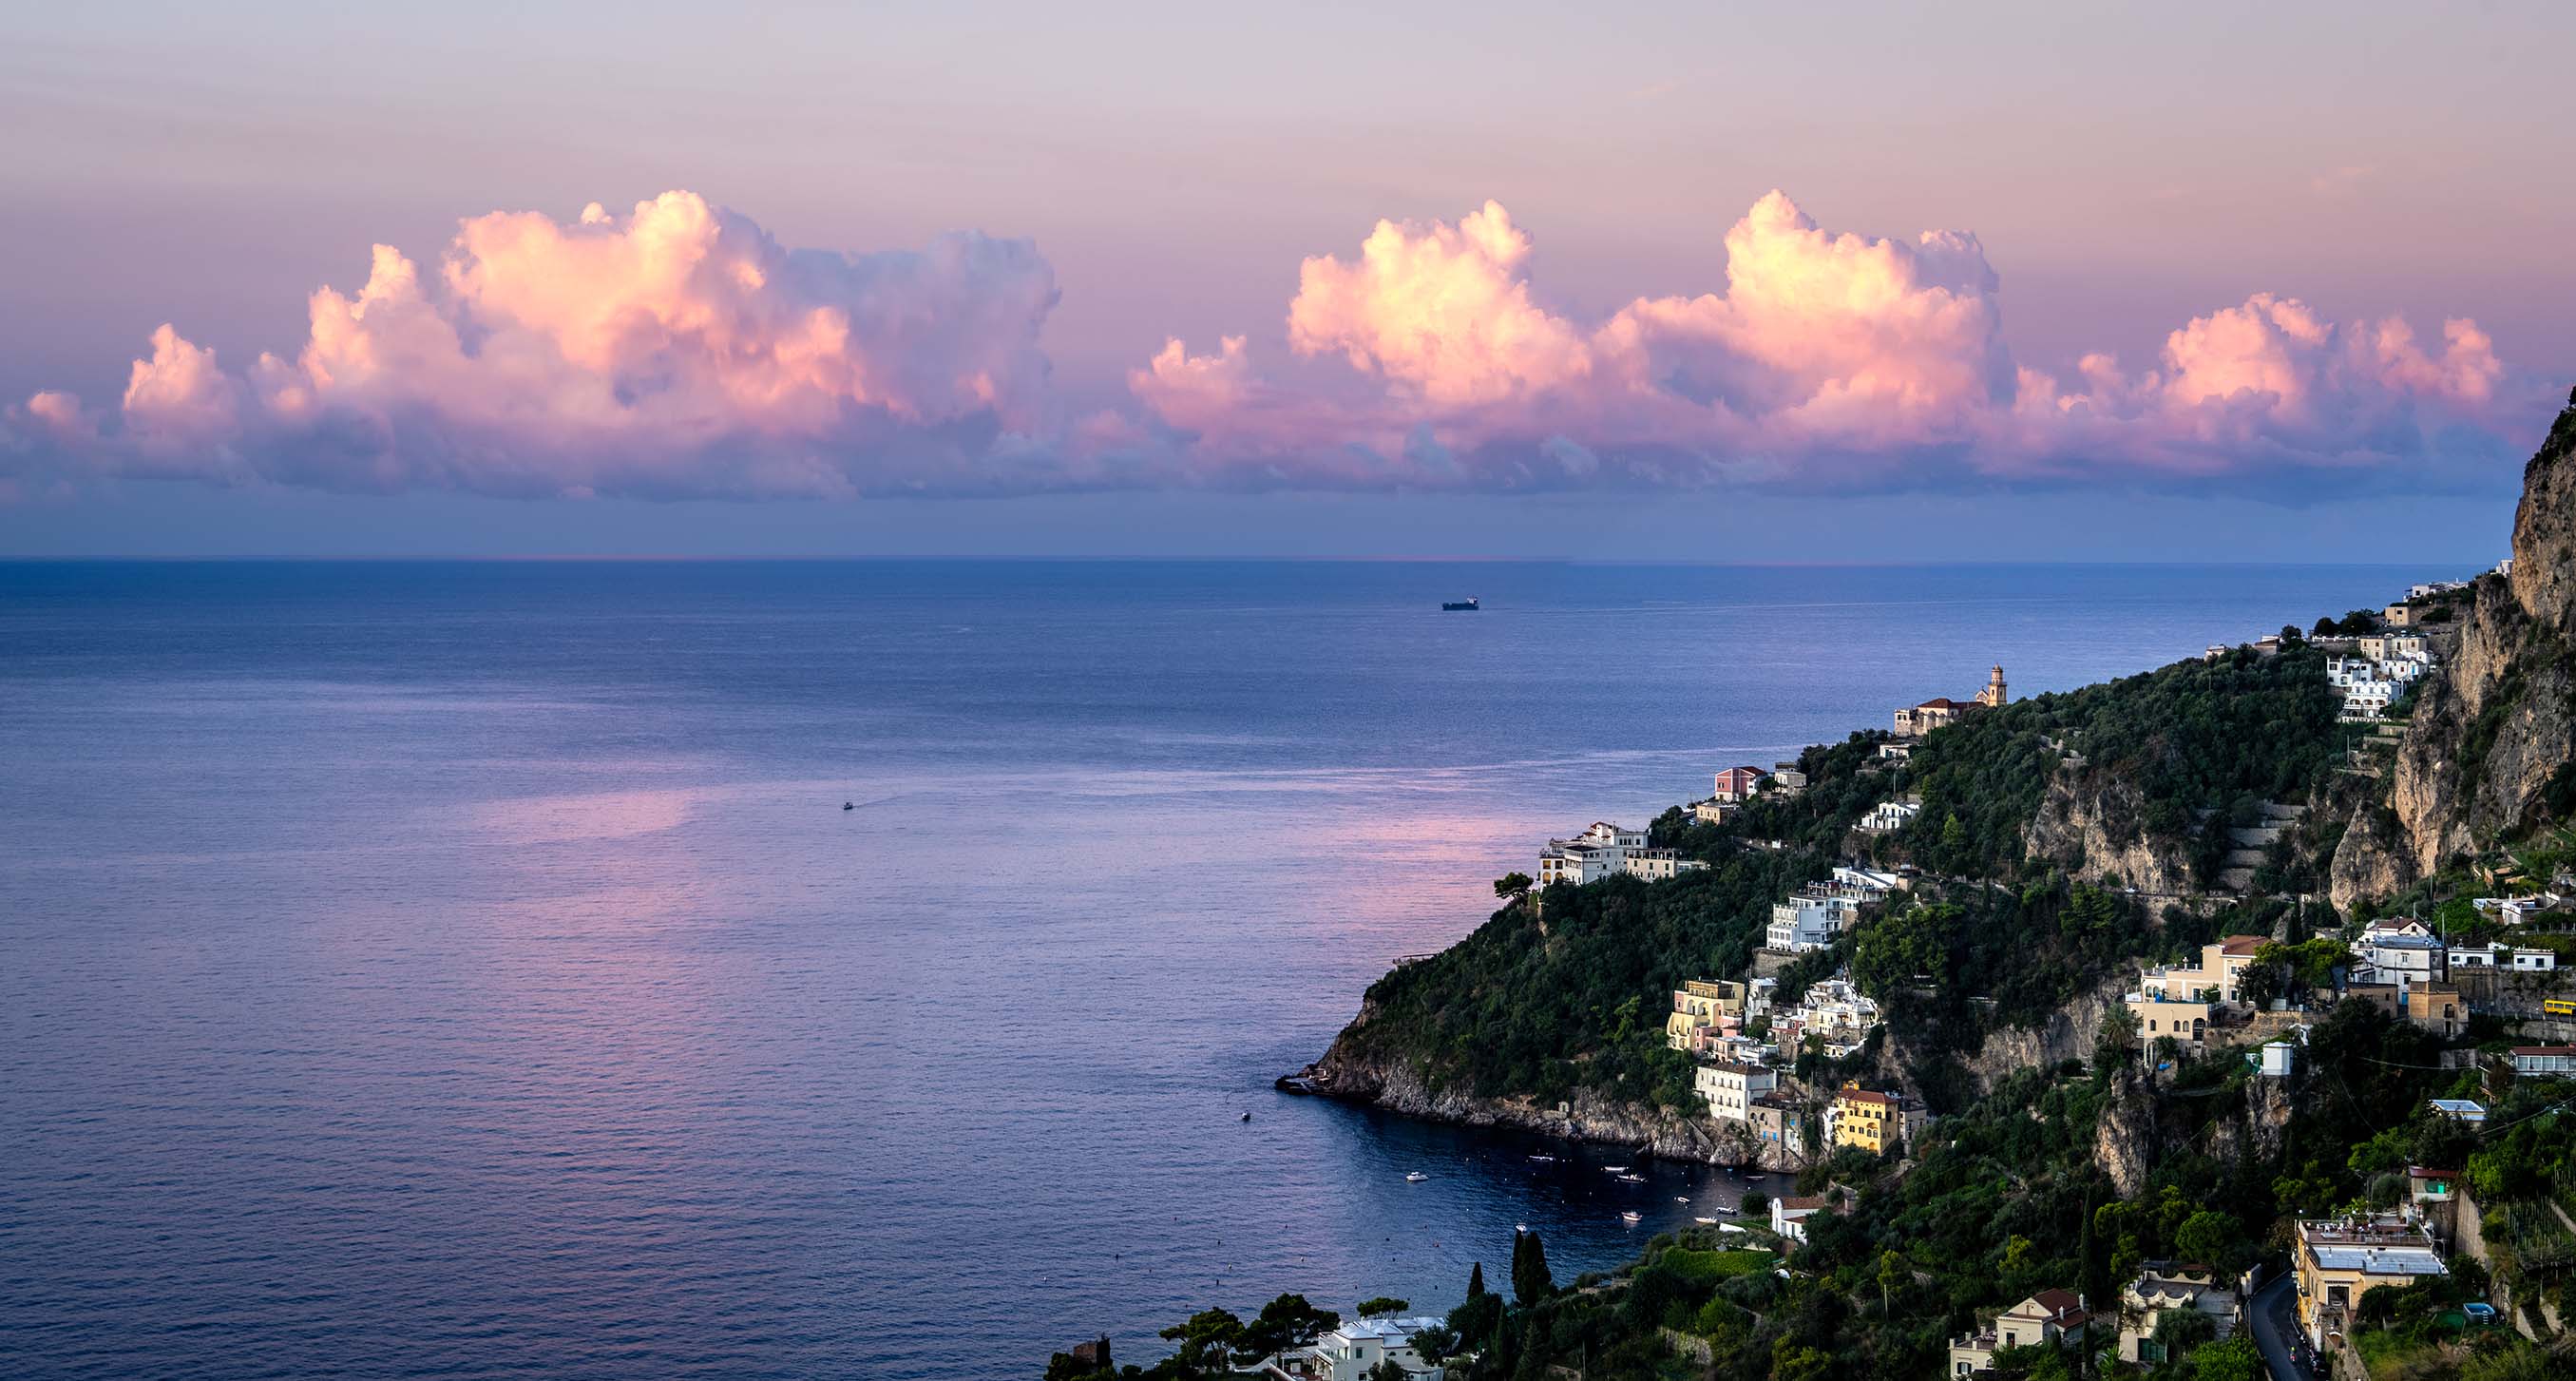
(2249, 843)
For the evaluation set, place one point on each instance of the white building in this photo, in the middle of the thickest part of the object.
(1606, 850)
(1887, 817)
(2535, 961)
(1837, 1014)
(1789, 1214)
(1349, 1352)
(2402, 952)
(1811, 920)
(1730, 1089)
(1864, 884)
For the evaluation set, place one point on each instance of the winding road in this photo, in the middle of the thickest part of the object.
(2276, 1333)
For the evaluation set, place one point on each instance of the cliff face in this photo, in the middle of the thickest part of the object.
(2488, 751)
(2124, 1141)
(2088, 824)
(2068, 1034)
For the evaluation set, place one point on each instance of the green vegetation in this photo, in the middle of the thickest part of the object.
(2010, 1191)
(2005, 1199)
(2195, 745)
(1571, 992)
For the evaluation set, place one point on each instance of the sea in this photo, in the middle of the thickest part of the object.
(846, 969)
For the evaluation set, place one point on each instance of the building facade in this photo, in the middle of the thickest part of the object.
(1730, 1089)
(1872, 1121)
(2338, 1260)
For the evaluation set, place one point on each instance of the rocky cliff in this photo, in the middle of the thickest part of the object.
(2491, 748)
(2089, 824)
(2068, 1034)
(1352, 1070)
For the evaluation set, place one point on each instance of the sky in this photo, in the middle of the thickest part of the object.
(1671, 282)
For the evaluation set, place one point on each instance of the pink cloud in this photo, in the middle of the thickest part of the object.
(676, 350)
(1825, 359)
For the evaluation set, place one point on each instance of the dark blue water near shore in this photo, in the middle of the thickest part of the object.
(468, 970)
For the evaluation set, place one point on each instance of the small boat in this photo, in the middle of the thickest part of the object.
(1415, 1177)
(1542, 1159)
(1680, 1199)
(1247, 1117)
(1615, 1169)
(1703, 1220)
(1460, 606)
(1631, 1215)
(1632, 1179)
(849, 805)
(1520, 1227)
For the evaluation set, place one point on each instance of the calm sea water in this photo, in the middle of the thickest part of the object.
(469, 970)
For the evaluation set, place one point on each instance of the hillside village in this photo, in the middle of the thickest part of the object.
(2214, 1022)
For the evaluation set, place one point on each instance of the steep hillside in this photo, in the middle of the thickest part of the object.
(2491, 749)
(2034, 816)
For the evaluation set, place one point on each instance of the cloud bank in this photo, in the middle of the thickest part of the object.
(679, 351)
(1826, 360)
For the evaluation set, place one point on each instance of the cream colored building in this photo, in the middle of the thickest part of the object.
(2050, 1317)
(1605, 850)
(2164, 1288)
(2213, 979)
(2338, 1260)
(1730, 1089)
(2188, 1023)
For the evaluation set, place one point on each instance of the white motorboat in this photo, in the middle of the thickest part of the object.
(1416, 1177)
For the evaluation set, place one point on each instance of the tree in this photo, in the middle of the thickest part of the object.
(1513, 886)
(1530, 1280)
(1435, 1343)
(1382, 1304)
(2325, 627)
(1286, 1322)
(2233, 1360)
(1892, 1276)
(2212, 1238)
(1756, 1203)
(1792, 1362)
(1387, 1369)
(1208, 1342)
(1476, 1281)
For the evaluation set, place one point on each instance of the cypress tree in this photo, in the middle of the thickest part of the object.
(1476, 1282)
(1530, 1280)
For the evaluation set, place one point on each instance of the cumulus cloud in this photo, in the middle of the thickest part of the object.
(1825, 359)
(676, 350)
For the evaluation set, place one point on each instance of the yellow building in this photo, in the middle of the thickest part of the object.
(1872, 1121)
